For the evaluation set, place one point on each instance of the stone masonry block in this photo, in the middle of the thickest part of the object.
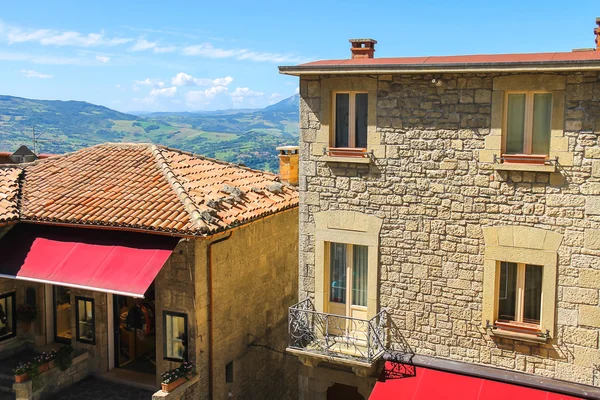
(596, 169)
(589, 278)
(589, 315)
(592, 152)
(592, 205)
(592, 239)
(586, 357)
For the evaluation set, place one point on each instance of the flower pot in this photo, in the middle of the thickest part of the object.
(25, 326)
(21, 378)
(43, 368)
(535, 159)
(169, 387)
(51, 364)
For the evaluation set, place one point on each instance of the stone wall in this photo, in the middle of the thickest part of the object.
(174, 287)
(254, 274)
(35, 333)
(434, 196)
(53, 380)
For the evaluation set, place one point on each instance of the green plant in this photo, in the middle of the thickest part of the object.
(63, 357)
(172, 375)
(26, 313)
(22, 368)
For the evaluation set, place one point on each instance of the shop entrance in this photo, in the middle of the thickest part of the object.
(135, 336)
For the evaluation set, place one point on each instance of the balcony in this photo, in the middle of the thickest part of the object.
(336, 338)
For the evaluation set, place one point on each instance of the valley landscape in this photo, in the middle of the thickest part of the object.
(246, 137)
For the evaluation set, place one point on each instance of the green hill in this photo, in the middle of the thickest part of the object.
(248, 136)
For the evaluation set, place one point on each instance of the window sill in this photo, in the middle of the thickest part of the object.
(348, 160)
(525, 337)
(525, 167)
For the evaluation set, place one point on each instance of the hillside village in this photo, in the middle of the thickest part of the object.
(432, 232)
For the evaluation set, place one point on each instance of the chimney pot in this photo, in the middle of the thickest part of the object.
(288, 164)
(363, 48)
(597, 33)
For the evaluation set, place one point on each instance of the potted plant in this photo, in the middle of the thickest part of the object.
(173, 378)
(26, 314)
(42, 362)
(21, 371)
(63, 357)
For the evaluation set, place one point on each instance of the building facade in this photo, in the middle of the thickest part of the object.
(455, 200)
(145, 257)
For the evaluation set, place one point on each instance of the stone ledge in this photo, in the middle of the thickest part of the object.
(347, 160)
(178, 392)
(524, 337)
(524, 167)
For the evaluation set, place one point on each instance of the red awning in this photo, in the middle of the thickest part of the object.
(407, 382)
(107, 261)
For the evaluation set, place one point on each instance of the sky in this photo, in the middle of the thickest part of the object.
(151, 55)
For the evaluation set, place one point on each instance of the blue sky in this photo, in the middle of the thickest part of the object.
(198, 55)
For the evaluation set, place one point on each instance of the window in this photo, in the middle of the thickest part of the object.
(175, 336)
(229, 372)
(350, 119)
(8, 314)
(520, 295)
(86, 324)
(62, 314)
(528, 122)
(348, 269)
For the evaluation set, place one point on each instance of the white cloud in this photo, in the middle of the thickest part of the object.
(208, 50)
(155, 83)
(27, 73)
(183, 79)
(143, 44)
(166, 92)
(45, 60)
(196, 98)
(103, 59)
(297, 90)
(241, 93)
(166, 49)
(49, 37)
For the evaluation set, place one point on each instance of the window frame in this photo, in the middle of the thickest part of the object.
(77, 320)
(14, 315)
(528, 129)
(349, 300)
(351, 117)
(185, 342)
(59, 339)
(518, 323)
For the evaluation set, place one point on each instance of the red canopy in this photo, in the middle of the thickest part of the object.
(407, 382)
(106, 261)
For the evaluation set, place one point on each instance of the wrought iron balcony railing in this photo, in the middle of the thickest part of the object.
(336, 336)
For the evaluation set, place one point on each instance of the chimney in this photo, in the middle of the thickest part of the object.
(288, 164)
(363, 48)
(597, 33)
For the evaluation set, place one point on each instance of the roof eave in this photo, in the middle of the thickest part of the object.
(542, 66)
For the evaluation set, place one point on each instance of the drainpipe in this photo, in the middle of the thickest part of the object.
(210, 310)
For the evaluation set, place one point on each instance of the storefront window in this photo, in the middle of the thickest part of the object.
(85, 320)
(7, 316)
(62, 314)
(175, 325)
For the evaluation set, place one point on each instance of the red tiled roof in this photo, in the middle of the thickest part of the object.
(467, 59)
(446, 62)
(9, 190)
(142, 186)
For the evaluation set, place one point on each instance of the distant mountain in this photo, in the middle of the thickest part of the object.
(241, 136)
(291, 104)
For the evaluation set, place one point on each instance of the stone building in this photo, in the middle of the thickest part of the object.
(449, 226)
(145, 257)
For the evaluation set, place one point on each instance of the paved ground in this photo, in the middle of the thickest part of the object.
(96, 389)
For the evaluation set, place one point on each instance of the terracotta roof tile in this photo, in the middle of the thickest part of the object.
(9, 191)
(142, 186)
